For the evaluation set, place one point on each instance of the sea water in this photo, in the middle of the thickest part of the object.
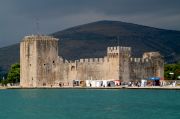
(89, 104)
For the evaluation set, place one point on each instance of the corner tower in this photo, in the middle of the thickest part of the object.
(38, 56)
(157, 63)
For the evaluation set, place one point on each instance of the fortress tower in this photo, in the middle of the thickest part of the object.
(119, 62)
(157, 63)
(38, 56)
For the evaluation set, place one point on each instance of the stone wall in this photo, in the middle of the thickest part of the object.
(41, 65)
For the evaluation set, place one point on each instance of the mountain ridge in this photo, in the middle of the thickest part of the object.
(92, 39)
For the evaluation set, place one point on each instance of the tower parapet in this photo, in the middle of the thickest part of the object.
(150, 55)
(39, 37)
(116, 51)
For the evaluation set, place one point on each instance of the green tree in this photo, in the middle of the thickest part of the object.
(14, 74)
(172, 68)
(3, 77)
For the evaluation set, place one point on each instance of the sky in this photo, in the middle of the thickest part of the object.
(19, 18)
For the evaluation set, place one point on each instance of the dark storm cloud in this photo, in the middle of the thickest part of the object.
(109, 7)
(18, 17)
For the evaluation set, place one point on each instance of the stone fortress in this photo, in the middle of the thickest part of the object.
(41, 65)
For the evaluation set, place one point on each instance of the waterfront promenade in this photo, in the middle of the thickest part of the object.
(117, 87)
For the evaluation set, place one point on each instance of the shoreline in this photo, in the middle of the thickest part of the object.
(101, 88)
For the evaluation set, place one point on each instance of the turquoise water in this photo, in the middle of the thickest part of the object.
(89, 104)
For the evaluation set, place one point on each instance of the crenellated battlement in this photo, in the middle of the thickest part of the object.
(139, 60)
(118, 49)
(92, 60)
(115, 52)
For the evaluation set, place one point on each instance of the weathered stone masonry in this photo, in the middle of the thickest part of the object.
(41, 65)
